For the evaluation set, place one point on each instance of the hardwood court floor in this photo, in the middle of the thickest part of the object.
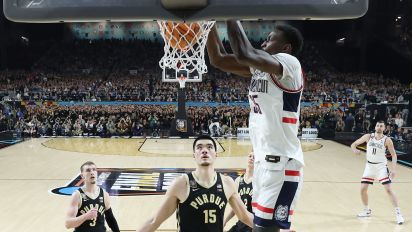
(329, 201)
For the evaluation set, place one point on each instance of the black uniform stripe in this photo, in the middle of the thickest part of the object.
(291, 101)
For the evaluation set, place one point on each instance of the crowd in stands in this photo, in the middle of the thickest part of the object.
(148, 120)
(118, 70)
(359, 120)
(111, 120)
(354, 87)
(218, 87)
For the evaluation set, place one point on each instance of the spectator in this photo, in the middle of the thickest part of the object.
(340, 125)
(349, 123)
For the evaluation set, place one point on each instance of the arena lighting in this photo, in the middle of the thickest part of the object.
(25, 39)
(341, 41)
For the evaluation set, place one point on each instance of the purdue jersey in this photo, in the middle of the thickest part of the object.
(376, 149)
(245, 191)
(274, 118)
(87, 203)
(204, 208)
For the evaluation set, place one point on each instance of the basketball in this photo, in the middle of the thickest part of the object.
(181, 35)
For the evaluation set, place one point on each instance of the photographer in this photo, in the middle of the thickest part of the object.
(101, 128)
(359, 120)
(122, 127)
(111, 128)
(67, 127)
(214, 126)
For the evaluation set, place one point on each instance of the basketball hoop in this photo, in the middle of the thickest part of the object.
(182, 81)
(184, 49)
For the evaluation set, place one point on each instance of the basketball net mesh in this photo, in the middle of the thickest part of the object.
(190, 58)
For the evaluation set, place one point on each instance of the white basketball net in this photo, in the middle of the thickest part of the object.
(191, 56)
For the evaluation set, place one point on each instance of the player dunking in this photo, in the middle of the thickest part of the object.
(90, 205)
(376, 167)
(274, 97)
(200, 197)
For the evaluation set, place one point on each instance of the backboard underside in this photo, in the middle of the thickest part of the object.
(47, 11)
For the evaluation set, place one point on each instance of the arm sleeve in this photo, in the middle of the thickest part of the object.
(111, 221)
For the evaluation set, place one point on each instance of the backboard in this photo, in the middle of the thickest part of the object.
(171, 75)
(46, 11)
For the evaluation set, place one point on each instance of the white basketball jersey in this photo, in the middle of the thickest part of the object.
(376, 149)
(275, 108)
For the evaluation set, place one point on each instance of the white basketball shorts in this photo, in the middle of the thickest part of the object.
(377, 171)
(276, 187)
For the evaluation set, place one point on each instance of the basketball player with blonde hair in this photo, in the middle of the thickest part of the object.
(90, 205)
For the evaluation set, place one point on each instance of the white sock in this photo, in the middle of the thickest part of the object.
(366, 207)
(398, 210)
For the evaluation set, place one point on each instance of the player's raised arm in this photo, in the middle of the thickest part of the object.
(230, 212)
(220, 59)
(246, 54)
